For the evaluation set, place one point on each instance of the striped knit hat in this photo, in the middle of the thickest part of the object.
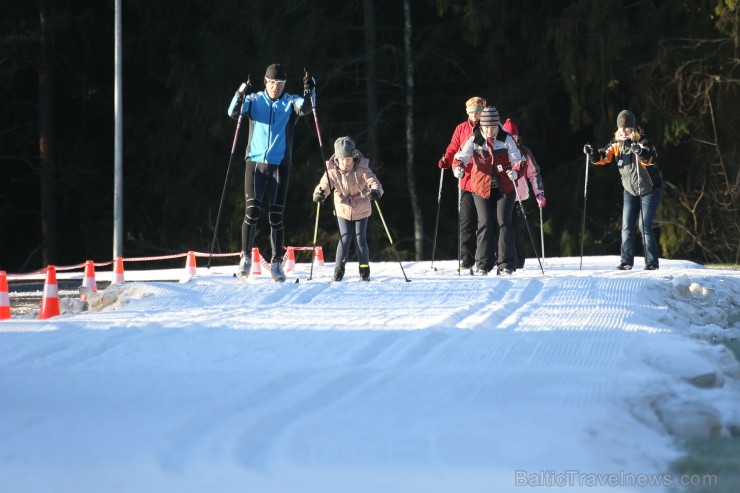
(489, 117)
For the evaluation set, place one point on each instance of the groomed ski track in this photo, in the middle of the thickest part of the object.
(444, 384)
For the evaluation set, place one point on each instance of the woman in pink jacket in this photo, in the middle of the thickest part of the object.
(529, 173)
(349, 177)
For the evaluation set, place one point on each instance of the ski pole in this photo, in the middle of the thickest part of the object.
(542, 237)
(315, 235)
(459, 228)
(242, 88)
(436, 224)
(526, 223)
(585, 198)
(391, 240)
(326, 171)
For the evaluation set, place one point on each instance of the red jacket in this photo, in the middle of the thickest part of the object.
(459, 136)
(490, 163)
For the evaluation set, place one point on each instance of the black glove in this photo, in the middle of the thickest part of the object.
(636, 148)
(374, 194)
(478, 138)
(245, 87)
(319, 197)
(588, 150)
(308, 83)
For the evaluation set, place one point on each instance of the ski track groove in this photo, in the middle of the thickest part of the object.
(493, 315)
(209, 424)
(257, 443)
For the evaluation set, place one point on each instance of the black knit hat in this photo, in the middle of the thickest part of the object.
(489, 117)
(626, 119)
(276, 72)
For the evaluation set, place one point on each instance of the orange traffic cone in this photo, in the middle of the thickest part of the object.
(319, 255)
(4, 297)
(190, 265)
(118, 272)
(50, 300)
(88, 280)
(256, 267)
(289, 259)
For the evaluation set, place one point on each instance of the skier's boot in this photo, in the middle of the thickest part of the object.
(338, 273)
(245, 266)
(365, 272)
(276, 270)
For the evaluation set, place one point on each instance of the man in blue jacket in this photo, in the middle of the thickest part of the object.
(272, 114)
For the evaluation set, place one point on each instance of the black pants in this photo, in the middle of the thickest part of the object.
(520, 229)
(485, 257)
(350, 231)
(468, 222)
(258, 179)
(498, 231)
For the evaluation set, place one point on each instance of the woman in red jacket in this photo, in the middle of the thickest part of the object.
(495, 158)
(473, 107)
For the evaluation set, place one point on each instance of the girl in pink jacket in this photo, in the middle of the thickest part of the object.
(354, 185)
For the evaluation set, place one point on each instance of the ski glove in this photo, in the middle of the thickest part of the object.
(309, 83)
(540, 198)
(442, 164)
(244, 88)
(636, 148)
(374, 195)
(319, 198)
(459, 172)
(511, 174)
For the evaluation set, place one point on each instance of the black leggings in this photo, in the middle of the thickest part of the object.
(352, 231)
(258, 178)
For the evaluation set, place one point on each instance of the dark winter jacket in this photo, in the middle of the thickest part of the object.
(351, 188)
(271, 124)
(636, 180)
(491, 160)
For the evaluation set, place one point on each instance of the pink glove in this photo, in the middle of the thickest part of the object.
(541, 201)
(442, 164)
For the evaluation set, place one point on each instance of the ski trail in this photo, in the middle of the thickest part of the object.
(496, 313)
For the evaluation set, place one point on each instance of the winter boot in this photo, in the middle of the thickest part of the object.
(338, 273)
(365, 272)
(245, 266)
(276, 270)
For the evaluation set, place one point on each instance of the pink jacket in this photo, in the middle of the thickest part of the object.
(351, 189)
(529, 171)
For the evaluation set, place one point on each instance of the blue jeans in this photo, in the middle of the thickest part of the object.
(631, 213)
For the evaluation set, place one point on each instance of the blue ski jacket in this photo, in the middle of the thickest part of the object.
(271, 124)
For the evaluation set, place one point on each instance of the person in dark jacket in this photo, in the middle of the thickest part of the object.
(354, 185)
(272, 114)
(468, 217)
(642, 182)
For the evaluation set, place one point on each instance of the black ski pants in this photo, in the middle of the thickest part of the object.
(261, 178)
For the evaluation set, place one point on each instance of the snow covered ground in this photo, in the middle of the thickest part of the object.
(578, 380)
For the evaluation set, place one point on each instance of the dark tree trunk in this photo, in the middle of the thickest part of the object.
(371, 101)
(47, 163)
